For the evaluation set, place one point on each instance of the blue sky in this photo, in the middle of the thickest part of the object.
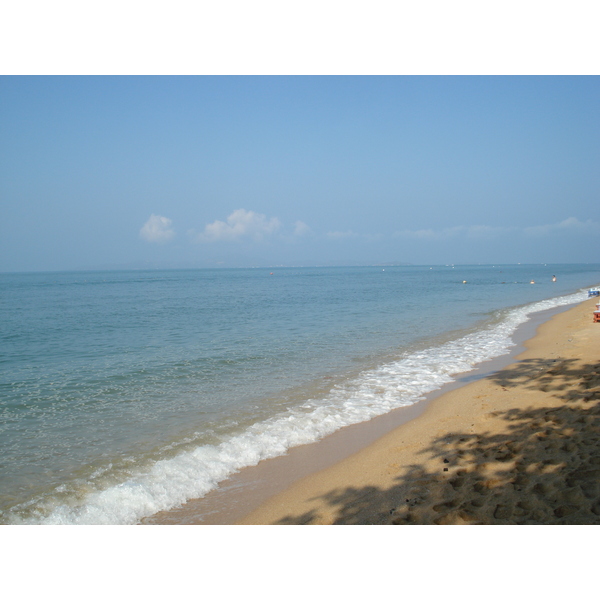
(120, 172)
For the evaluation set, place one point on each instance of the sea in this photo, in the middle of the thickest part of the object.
(125, 393)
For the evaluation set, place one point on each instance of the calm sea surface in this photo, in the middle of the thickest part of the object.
(123, 393)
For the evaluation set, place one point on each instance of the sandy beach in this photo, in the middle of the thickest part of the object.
(520, 446)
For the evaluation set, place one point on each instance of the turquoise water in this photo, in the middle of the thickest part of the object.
(127, 392)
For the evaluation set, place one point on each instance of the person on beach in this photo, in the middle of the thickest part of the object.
(553, 277)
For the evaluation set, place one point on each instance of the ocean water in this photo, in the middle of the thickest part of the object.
(124, 393)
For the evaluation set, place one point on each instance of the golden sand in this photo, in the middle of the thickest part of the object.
(521, 446)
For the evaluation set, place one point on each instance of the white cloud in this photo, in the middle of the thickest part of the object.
(487, 232)
(430, 234)
(240, 224)
(157, 229)
(568, 225)
(571, 224)
(301, 228)
(422, 234)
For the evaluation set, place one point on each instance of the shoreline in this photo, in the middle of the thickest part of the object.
(247, 493)
(520, 445)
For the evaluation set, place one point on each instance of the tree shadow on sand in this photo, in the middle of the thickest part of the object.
(543, 469)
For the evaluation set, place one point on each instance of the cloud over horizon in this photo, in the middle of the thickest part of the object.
(301, 228)
(570, 225)
(241, 224)
(157, 229)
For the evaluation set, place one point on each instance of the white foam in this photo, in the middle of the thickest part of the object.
(192, 474)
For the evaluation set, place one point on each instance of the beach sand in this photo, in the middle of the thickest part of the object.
(520, 446)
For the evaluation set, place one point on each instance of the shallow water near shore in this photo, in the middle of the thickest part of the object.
(236, 498)
(127, 393)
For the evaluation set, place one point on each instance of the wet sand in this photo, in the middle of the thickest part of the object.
(519, 446)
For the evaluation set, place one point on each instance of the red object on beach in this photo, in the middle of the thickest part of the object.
(597, 316)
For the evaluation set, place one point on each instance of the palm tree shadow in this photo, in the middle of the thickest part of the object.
(544, 468)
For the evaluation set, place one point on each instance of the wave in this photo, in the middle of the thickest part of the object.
(192, 474)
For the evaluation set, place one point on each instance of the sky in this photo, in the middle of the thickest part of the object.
(105, 172)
